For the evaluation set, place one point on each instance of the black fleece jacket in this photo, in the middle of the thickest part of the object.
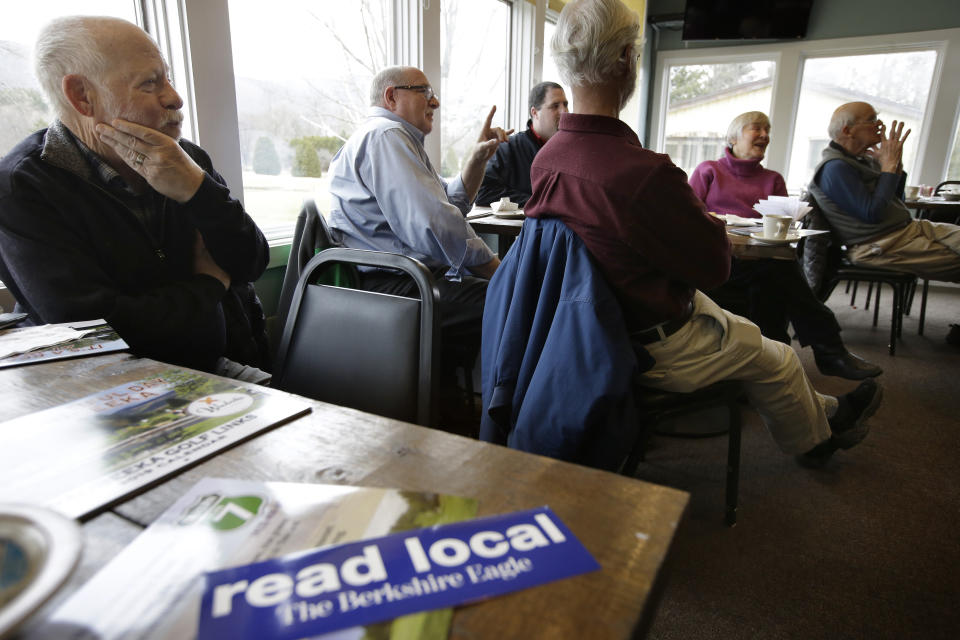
(70, 250)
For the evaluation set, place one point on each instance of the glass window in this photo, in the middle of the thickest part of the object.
(549, 65)
(475, 43)
(303, 70)
(829, 82)
(953, 168)
(23, 107)
(704, 98)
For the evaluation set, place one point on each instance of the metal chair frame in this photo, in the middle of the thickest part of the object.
(428, 319)
(655, 406)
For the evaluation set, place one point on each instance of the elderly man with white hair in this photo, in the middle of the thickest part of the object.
(655, 243)
(108, 214)
(387, 196)
(858, 186)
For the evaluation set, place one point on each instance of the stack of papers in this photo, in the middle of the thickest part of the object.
(783, 205)
(737, 221)
(14, 341)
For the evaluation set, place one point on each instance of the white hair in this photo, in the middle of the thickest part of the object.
(589, 40)
(64, 47)
(389, 77)
(844, 116)
(735, 130)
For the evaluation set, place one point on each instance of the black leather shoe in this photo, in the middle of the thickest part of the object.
(849, 424)
(843, 364)
(817, 457)
(953, 336)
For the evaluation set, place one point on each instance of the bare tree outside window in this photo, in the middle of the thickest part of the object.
(302, 70)
(23, 107)
(475, 41)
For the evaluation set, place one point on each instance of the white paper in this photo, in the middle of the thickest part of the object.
(783, 205)
(14, 341)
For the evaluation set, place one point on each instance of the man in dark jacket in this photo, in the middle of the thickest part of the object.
(508, 171)
(105, 214)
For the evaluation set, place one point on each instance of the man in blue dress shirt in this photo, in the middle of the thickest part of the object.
(386, 196)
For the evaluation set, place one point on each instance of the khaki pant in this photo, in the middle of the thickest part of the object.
(717, 345)
(929, 249)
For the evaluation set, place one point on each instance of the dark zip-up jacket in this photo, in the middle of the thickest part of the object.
(71, 250)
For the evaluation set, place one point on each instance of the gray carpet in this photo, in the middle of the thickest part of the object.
(868, 547)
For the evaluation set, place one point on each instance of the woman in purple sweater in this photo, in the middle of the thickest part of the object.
(769, 292)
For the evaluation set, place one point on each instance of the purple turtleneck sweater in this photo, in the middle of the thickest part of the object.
(732, 185)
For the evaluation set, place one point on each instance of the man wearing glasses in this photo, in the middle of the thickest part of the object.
(387, 196)
(858, 186)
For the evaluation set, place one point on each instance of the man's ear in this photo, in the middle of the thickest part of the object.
(79, 93)
(389, 98)
(533, 112)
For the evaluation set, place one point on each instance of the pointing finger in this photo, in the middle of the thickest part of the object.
(486, 125)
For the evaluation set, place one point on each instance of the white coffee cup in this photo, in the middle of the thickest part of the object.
(911, 192)
(776, 226)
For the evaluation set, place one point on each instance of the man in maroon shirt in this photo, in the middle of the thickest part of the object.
(656, 245)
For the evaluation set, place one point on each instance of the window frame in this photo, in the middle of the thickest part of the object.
(942, 112)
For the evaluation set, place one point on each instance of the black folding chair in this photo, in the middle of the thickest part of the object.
(362, 349)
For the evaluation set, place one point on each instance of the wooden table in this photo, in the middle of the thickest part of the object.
(747, 248)
(936, 210)
(627, 525)
(743, 247)
(506, 229)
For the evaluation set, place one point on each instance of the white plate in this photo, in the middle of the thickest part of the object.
(509, 215)
(791, 237)
(39, 549)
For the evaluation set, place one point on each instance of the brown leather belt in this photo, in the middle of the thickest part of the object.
(660, 331)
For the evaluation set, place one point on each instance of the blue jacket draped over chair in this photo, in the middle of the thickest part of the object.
(558, 366)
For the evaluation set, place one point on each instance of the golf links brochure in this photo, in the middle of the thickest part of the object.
(116, 441)
(242, 559)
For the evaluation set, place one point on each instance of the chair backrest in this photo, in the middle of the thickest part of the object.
(310, 236)
(946, 183)
(819, 255)
(362, 349)
(557, 362)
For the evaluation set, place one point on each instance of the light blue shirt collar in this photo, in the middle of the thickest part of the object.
(380, 112)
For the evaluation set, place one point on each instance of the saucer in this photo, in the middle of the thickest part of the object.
(509, 215)
(793, 236)
(39, 549)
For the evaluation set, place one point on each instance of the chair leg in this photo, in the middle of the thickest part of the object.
(876, 306)
(903, 305)
(923, 305)
(853, 295)
(894, 319)
(733, 464)
(908, 297)
(869, 294)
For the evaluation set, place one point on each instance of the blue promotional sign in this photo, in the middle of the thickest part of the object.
(383, 578)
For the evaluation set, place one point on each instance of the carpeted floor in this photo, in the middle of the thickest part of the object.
(868, 547)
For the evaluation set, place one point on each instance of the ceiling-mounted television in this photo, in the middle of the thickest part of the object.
(746, 19)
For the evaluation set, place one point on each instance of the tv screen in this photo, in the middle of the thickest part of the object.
(746, 19)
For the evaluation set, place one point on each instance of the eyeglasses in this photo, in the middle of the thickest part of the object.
(425, 89)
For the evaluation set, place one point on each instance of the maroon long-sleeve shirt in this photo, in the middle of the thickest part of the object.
(648, 232)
